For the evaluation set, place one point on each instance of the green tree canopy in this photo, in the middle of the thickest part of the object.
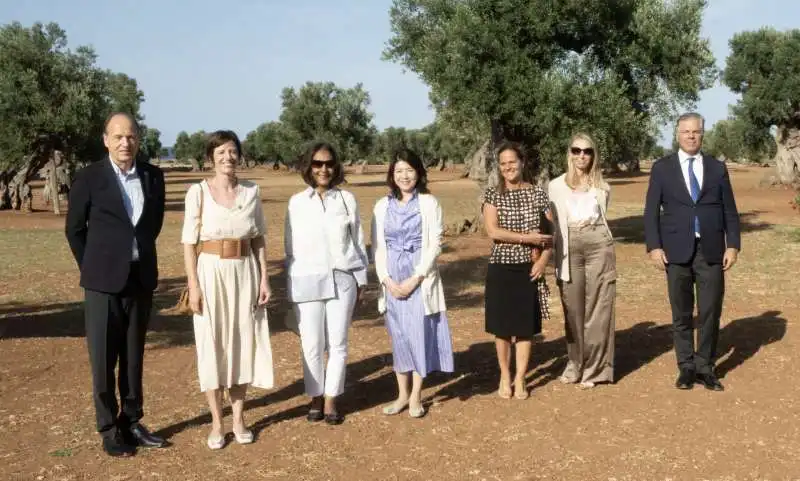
(728, 140)
(50, 97)
(323, 110)
(151, 143)
(538, 71)
(764, 68)
(191, 148)
(53, 99)
(270, 142)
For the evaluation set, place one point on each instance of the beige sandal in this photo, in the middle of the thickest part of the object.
(244, 437)
(416, 412)
(504, 393)
(215, 442)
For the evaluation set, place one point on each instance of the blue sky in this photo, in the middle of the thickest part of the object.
(207, 64)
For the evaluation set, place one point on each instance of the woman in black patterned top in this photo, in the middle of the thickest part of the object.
(516, 293)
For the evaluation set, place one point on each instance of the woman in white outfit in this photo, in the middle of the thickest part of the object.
(327, 268)
(226, 266)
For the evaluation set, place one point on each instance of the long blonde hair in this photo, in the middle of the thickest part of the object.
(595, 174)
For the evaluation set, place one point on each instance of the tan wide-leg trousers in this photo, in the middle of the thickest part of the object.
(588, 303)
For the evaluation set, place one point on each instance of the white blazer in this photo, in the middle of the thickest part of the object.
(432, 290)
(558, 191)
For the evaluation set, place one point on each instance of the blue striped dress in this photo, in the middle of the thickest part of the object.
(420, 343)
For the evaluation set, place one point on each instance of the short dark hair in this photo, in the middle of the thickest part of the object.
(128, 116)
(411, 158)
(221, 137)
(308, 156)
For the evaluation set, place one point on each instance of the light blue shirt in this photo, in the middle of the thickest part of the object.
(132, 197)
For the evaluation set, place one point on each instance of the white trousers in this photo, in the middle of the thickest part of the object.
(323, 326)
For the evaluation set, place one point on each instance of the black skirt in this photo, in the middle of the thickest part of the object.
(511, 301)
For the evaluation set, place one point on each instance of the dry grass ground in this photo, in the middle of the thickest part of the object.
(640, 428)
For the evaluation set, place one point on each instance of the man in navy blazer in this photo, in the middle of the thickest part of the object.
(691, 228)
(115, 214)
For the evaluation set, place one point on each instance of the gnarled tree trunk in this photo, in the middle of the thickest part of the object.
(477, 163)
(18, 193)
(52, 183)
(787, 159)
(5, 201)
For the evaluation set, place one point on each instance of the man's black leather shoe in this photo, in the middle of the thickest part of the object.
(142, 437)
(114, 445)
(685, 380)
(710, 381)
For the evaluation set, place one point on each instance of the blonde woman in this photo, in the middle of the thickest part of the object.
(585, 264)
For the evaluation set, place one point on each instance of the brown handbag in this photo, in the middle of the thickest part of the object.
(183, 305)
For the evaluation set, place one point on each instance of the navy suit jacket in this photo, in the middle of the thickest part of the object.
(101, 234)
(669, 212)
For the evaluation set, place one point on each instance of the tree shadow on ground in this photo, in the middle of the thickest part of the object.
(67, 319)
(742, 338)
(635, 347)
(359, 395)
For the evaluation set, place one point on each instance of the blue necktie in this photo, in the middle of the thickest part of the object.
(694, 190)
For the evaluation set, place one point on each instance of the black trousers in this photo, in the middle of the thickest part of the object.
(116, 325)
(709, 281)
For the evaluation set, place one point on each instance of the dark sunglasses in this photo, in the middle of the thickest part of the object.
(577, 151)
(318, 164)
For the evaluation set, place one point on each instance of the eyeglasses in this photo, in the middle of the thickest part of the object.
(577, 151)
(318, 164)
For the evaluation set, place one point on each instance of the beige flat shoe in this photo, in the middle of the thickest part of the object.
(504, 391)
(215, 442)
(416, 412)
(392, 409)
(244, 437)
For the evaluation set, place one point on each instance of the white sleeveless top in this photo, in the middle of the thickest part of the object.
(582, 208)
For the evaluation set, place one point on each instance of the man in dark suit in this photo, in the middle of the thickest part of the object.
(116, 209)
(691, 229)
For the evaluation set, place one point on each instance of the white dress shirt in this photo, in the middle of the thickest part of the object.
(322, 234)
(132, 196)
(697, 167)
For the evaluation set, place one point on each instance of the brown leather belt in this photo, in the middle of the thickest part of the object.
(226, 248)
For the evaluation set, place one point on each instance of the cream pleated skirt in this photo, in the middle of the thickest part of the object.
(232, 334)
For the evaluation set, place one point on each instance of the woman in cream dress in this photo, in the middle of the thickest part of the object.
(225, 257)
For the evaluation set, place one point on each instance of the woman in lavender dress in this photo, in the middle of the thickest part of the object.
(407, 231)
